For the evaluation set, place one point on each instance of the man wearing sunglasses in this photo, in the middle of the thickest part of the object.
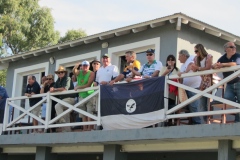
(63, 83)
(194, 82)
(151, 68)
(230, 58)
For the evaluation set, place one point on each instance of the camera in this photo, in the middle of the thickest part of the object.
(79, 67)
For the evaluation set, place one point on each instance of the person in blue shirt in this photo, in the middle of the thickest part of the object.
(230, 58)
(3, 98)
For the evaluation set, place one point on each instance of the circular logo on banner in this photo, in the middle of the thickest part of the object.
(131, 106)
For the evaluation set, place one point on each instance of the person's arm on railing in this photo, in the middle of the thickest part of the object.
(187, 70)
(52, 89)
(118, 78)
(55, 89)
(219, 65)
(155, 74)
(208, 66)
(137, 73)
(90, 81)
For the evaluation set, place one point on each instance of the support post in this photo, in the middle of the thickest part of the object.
(3, 156)
(44, 153)
(225, 151)
(112, 152)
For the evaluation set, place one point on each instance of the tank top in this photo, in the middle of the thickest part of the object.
(82, 80)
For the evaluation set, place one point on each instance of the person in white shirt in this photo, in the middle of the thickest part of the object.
(151, 68)
(107, 71)
(194, 82)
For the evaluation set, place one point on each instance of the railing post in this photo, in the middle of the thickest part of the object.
(48, 110)
(166, 93)
(99, 107)
(6, 115)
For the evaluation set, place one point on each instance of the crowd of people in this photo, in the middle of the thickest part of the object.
(105, 73)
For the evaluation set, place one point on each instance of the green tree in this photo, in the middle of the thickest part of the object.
(25, 26)
(73, 34)
(3, 75)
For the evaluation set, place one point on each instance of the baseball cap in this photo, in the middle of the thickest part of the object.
(150, 51)
(85, 63)
(105, 55)
(95, 60)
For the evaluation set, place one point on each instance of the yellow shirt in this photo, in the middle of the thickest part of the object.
(135, 65)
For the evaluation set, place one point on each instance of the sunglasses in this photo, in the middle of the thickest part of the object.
(231, 47)
(49, 79)
(150, 54)
(95, 63)
(60, 72)
(196, 51)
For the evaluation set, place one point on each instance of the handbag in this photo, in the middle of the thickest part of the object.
(182, 95)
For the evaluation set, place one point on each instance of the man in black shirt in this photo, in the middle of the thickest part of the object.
(230, 58)
(33, 88)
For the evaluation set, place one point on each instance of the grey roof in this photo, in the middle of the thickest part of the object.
(177, 18)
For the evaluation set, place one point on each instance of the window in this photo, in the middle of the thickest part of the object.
(117, 53)
(141, 57)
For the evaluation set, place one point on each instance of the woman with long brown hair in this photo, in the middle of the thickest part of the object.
(203, 61)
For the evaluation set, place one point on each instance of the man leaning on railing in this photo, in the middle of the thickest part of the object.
(63, 83)
(230, 58)
(194, 82)
(33, 88)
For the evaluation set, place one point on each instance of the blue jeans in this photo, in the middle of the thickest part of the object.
(193, 107)
(203, 102)
(232, 93)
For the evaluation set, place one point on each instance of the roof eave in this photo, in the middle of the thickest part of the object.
(177, 18)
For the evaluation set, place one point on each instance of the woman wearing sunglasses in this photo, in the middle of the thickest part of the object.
(171, 69)
(48, 83)
(203, 61)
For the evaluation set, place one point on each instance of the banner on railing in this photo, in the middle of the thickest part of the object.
(132, 105)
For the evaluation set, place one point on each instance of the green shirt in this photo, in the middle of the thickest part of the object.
(82, 80)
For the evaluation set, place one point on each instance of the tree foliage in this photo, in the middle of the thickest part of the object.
(73, 34)
(25, 26)
(3, 75)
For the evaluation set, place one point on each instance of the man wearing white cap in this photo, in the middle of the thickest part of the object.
(85, 79)
(107, 71)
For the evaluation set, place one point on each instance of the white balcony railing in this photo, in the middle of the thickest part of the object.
(199, 94)
(48, 97)
(48, 123)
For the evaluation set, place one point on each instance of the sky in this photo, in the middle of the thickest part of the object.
(95, 16)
